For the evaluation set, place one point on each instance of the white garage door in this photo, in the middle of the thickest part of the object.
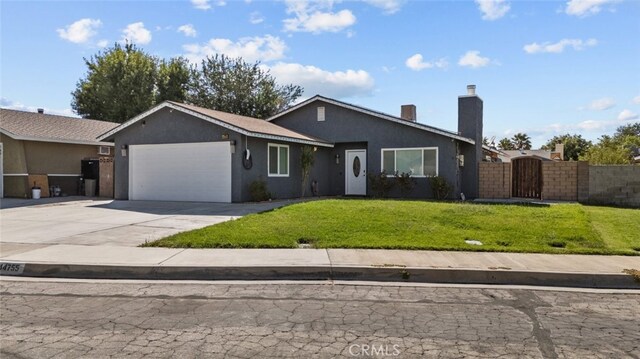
(199, 172)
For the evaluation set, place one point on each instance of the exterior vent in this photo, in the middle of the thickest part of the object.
(104, 150)
(320, 113)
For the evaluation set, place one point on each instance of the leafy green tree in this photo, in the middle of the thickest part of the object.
(173, 80)
(234, 86)
(505, 144)
(574, 146)
(617, 149)
(119, 84)
(521, 141)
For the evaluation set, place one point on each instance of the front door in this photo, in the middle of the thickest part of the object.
(356, 172)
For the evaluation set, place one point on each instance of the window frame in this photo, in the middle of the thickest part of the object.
(321, 114)
(395, 160)
(279, 147)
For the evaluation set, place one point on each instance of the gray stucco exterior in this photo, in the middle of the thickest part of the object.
(166, 126)
(352, 129)
(344, 127)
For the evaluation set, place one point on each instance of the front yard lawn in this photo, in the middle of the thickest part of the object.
(346, 223)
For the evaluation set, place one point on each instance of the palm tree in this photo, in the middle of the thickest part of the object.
(505, 144)
(521, 141)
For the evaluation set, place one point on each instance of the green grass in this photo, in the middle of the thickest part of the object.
(335, 223)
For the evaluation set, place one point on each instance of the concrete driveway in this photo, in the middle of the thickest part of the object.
(30, 224)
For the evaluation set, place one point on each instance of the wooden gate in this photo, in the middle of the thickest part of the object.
(106, 177)
(526, 177)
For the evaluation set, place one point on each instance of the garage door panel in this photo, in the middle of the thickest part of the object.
(181, 172)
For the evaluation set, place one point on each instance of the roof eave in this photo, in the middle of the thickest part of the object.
(54, 140)
(108, 135)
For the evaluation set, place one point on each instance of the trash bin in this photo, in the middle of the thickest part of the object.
(35, 193)
(90, 187)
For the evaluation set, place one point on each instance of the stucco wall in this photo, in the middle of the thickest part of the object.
(47, 158)
(351, 129)
(165, 126)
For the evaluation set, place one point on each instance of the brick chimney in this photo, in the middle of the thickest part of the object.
(408, 112)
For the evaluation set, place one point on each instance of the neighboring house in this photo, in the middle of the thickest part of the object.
(182, 152)
(545, 155)
(49, 150)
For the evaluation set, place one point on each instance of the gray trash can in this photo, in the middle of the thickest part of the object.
(90, 187)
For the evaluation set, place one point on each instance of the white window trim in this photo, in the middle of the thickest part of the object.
(278, 146)
(409, 148)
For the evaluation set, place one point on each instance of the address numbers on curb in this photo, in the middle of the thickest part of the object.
(9, 268)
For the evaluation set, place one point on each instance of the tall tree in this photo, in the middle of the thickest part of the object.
(574, 146)
(505, 144)
(234, 86)
(173, 80)
(617, 149)
(521, 141)
(119, 84)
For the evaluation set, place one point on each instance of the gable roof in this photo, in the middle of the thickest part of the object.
(245, 125)
(377, 114)
(33, 126)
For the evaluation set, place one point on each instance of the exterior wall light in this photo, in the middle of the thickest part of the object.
(123, 150)
(337, 159)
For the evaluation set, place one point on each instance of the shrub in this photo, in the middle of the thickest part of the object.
(405, 182)
(440, 187)
(380, 183)
(258, 190)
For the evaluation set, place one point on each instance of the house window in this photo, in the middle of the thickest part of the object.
(419, 162)
(320, 113)
(278, 160)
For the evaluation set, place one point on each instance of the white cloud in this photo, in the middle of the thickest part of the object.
(416, 63)
(14, 105)
(338, 84)
(136, 33)
(80, 31)
(583, 8)
(636, 100)
(473, 59)
(251, 49)
(388, 6)
(207, 4)
(188, 30)
(559, 46)
(102, 43)
(256, 17)
(316, 17)
(627, 115)
(493, 9)
(601, 104)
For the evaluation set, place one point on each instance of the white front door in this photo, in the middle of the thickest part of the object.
(356, 172)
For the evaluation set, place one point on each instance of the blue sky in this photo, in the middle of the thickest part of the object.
(541, 67)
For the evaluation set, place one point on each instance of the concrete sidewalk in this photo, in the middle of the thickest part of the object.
(77, 261)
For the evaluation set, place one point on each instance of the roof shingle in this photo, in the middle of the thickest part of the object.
(24, 125)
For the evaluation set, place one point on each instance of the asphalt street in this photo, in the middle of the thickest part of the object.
(101, 319)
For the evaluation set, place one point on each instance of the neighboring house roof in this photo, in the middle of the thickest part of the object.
(509, 155)
(376, 114)
(248, 126)
(33, 126)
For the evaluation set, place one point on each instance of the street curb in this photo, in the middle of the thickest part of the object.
(345, 273)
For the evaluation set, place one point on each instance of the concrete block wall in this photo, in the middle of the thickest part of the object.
(613, 184)
(495, 180)
(560, 181)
